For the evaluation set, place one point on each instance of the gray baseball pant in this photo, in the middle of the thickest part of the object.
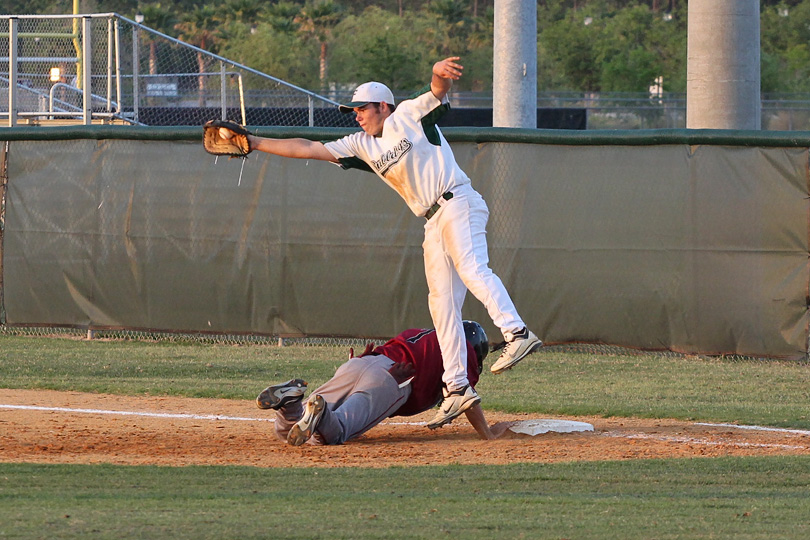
(359, 396)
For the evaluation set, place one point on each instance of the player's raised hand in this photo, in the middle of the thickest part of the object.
(449, 68)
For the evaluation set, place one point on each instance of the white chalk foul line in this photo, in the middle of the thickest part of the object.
(704, 442)
(164, 415)
(253, 419)
(758, 428)
(138, 413)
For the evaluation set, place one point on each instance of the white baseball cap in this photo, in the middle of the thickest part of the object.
(370, 92)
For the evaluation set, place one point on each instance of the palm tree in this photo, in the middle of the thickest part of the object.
(160, 18)
(198, 27)
(284, 17)
(452, 11)
(244, 11)
(317, 19)
(457, 23)
(483, 29)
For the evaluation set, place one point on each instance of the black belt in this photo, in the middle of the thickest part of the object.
(447, 195)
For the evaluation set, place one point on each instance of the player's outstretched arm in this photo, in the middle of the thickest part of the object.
(444, 73)
(292, 148)
(475, 415)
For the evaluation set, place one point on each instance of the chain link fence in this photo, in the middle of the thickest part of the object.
(181, 337)
(667, 110)
(357, 344)
(105, 68)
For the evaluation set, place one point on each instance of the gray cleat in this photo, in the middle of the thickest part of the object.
(279, 395)
(304, 428)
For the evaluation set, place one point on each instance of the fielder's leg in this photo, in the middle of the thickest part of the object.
(466, 242)
(445, 298)
(446, 294)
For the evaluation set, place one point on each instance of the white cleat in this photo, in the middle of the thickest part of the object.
(453, 405)
(522, 344)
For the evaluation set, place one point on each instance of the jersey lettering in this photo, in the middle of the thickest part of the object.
(391, 157)
(420, 335)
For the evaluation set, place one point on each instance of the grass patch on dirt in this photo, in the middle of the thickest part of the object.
(698, 498)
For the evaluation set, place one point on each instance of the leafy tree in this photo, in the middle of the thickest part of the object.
(454, 24)
(628, 63)
(121, 7)
(275, 53)
(626, 42)
(633, 72)
(382, 46)
(571, 55)
(602, 46)
(668, 39)
(399, 50)
(37, 7)
(478, 57)
(785, 34)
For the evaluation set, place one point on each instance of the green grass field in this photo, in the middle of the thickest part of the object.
(699, 498)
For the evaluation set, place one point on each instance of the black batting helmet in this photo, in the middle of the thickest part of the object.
(478, 339)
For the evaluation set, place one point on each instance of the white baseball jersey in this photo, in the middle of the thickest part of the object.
(412, 156)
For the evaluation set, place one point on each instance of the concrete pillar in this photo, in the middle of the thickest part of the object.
(722, 70)
(514, 85)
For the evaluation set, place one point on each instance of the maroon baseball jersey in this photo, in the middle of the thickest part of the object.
(421, 348)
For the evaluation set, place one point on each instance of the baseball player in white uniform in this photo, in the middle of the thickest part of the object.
(405, 148)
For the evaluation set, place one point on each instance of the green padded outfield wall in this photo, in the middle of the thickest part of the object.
(692, 241)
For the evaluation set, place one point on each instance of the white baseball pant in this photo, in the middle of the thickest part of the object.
(457, 260)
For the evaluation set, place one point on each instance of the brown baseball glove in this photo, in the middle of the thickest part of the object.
(224, 138)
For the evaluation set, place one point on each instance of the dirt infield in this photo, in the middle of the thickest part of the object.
(68, 427)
